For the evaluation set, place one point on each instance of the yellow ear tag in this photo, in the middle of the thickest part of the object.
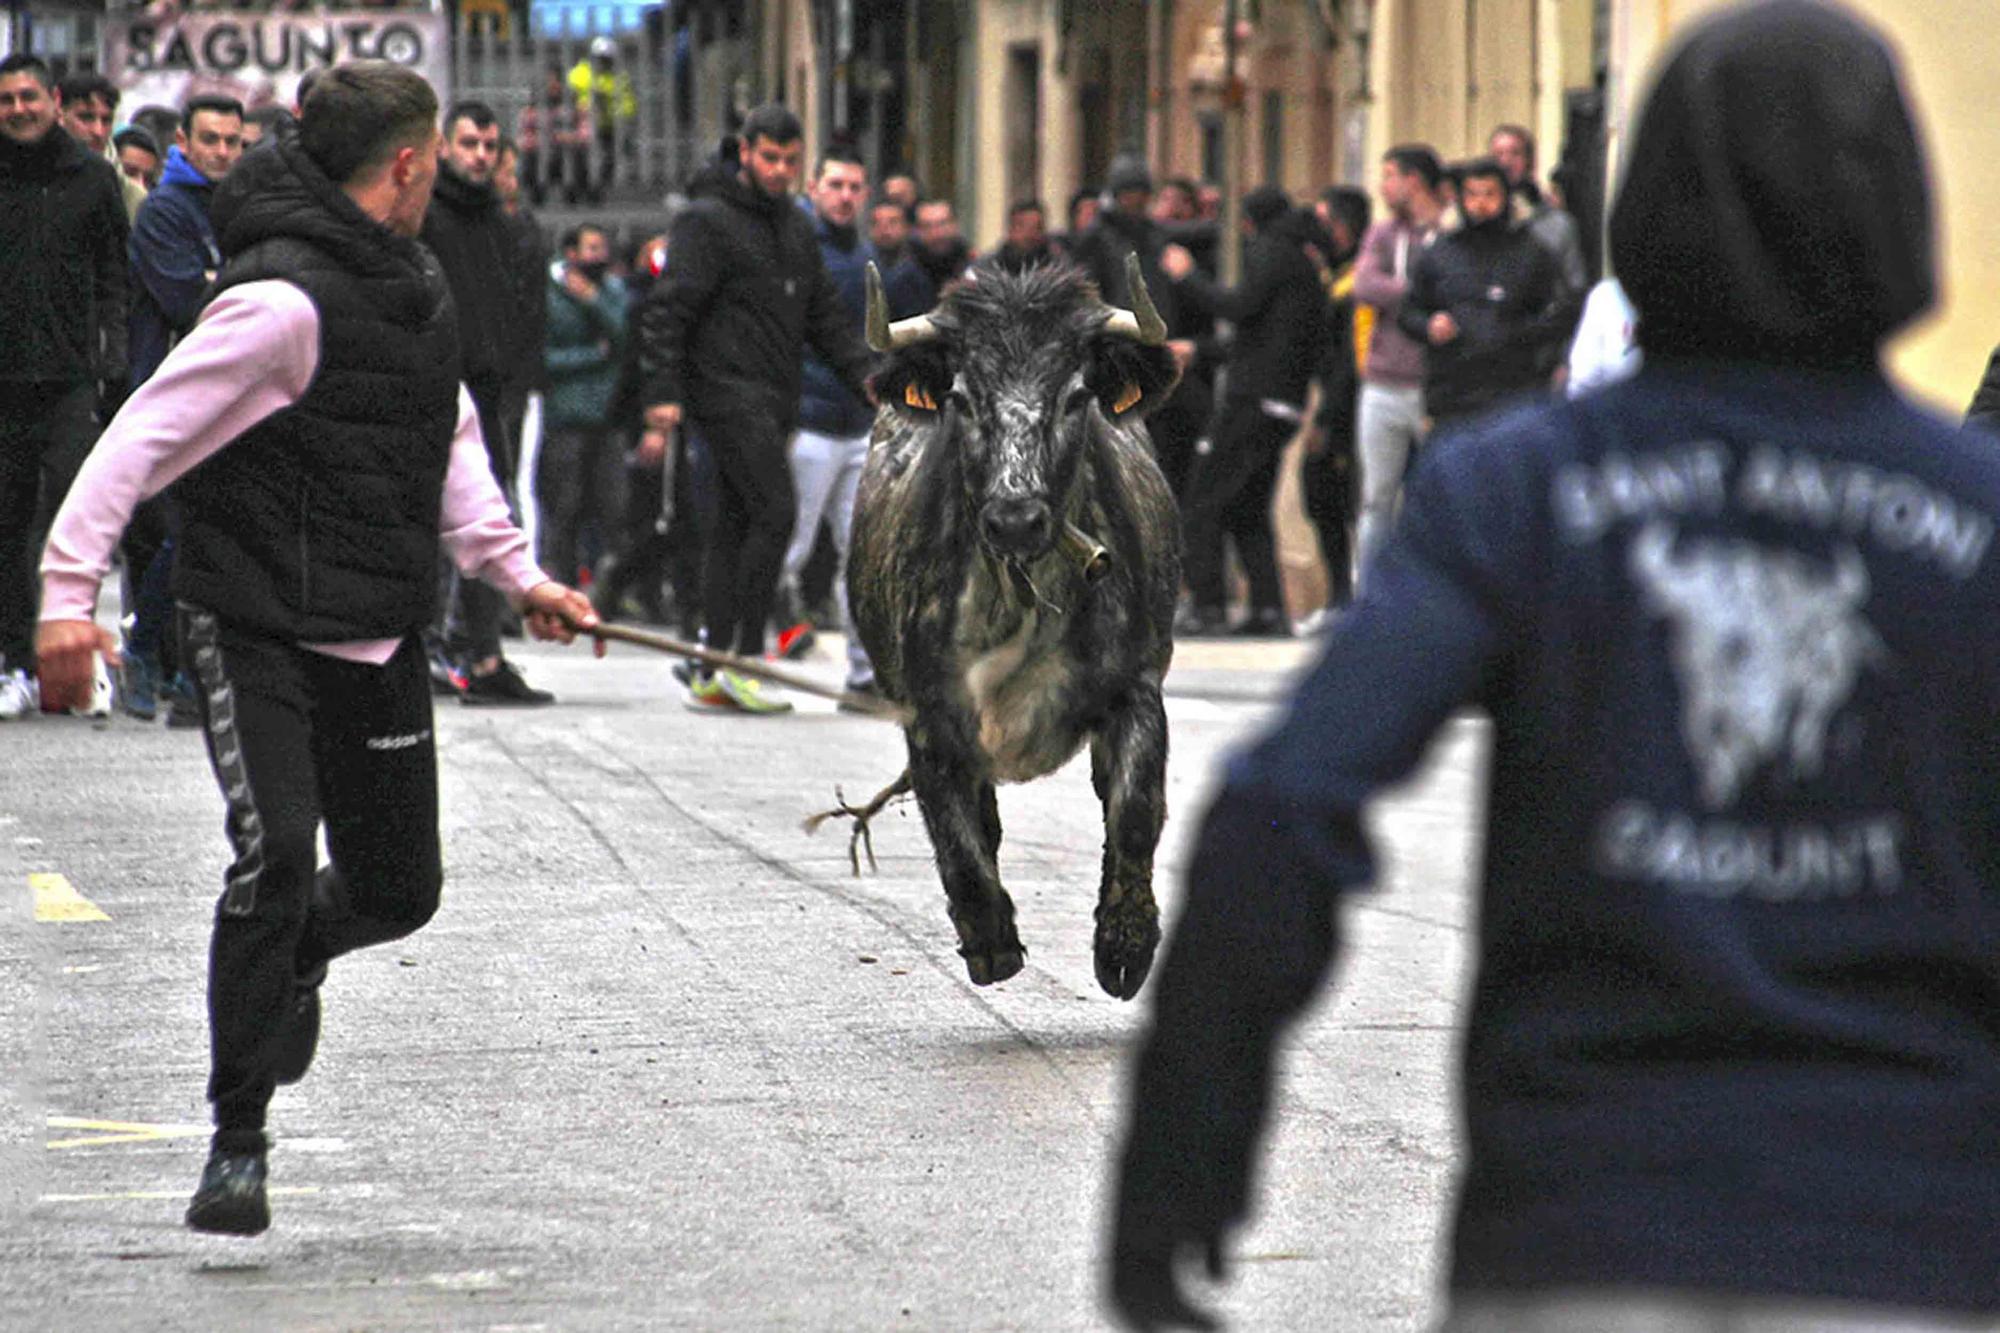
(1130, 396)
(919, 398)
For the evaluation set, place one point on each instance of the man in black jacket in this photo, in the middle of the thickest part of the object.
(721, 337)
(1127, 228)
(62, 336)
(1488, 303)
(1329, 472)
(1280, 313)
(1027, 240)
(475, 242)
(940, 250)
(528, 332)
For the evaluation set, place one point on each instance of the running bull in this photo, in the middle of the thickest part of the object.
(1013, 573)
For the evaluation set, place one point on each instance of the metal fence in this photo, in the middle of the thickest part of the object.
(638, 154)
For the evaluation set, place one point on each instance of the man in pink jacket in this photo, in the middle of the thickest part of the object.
(319, 442)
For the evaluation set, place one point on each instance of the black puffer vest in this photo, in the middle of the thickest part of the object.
(320, 523)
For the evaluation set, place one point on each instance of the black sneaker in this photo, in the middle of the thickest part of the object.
(503, 687)
(230, 1199)
(300, 1037)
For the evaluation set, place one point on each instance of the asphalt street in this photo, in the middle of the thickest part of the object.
(663, 1062)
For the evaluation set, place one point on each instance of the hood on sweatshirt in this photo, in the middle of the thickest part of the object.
(180, 171)
(1776, 206)
(284, 193)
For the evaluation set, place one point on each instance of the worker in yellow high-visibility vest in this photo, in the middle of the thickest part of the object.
(604, 93)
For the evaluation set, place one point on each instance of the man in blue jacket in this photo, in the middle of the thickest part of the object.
(1731, 1059)
(173, 251)
(174, 258)
(832, 439)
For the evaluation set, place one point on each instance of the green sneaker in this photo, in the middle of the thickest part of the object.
(705, 694)
(752, 695)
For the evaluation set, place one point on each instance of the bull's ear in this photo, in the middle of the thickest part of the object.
(1129, 378)
(913, 380)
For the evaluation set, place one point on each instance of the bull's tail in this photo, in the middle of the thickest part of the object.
(861, 840)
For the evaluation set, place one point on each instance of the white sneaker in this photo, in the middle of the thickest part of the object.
(100, 691)
(20, 696)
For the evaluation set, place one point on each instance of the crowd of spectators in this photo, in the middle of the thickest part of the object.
(1359, 336)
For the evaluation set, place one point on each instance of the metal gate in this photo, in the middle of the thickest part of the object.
(641, 147)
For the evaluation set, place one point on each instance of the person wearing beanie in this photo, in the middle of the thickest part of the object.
(1730, 1060)
(1128, 174)
(1487, 302)
(1279, 312)
(312, 502)
(1126, 229)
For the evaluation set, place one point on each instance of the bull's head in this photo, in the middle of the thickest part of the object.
(1019, 373)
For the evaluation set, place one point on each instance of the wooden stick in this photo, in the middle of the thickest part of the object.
(857, 703)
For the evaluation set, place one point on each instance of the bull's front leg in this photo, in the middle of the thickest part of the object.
(963, 820)
(1128, 766)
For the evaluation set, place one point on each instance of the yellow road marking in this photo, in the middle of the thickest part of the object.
(56, 899)
(275, 1190)
(104, 1132)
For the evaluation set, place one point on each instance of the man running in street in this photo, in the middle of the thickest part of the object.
(320, 442)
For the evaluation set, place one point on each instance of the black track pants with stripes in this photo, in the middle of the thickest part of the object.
(299, 739)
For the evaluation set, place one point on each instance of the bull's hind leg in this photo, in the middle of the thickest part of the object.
(963, 819)
(1128, 766)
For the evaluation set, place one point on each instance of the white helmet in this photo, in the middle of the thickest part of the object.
(603, 48)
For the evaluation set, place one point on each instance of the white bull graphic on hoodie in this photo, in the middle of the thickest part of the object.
(1767, 645)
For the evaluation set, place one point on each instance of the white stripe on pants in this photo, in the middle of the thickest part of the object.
(826, 473)
(1389, 426)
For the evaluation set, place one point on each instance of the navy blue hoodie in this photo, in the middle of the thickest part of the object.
(826, 404)
(174, 259)
(1735, 1025)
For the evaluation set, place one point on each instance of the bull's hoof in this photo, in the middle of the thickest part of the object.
(997, 965)
(1127, 936)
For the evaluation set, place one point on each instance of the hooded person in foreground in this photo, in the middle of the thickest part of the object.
(1731, 1052)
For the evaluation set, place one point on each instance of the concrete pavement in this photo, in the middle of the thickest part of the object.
(661, 1061)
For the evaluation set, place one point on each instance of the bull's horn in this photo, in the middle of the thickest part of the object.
(1142, 322)
(884, 336)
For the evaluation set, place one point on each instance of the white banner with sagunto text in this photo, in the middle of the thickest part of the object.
(260, 58)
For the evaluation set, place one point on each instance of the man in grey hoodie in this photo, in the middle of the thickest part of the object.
(1390, 417)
